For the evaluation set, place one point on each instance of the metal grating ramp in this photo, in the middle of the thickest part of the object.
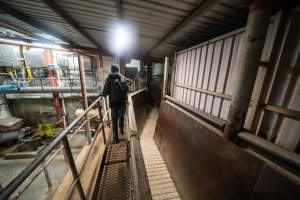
(114, 182)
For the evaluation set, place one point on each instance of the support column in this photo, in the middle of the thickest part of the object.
(84, 97)
(122, 66)
(256, 31)
(53, 81)
(165, 83)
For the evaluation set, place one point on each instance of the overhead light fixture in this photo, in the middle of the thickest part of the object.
(122, 39)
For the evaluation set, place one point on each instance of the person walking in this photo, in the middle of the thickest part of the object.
(116, 88)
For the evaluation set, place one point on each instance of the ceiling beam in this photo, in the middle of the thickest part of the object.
(33, 22)
(58, 10)
(119, 9)
(22, 31)
(196, 12)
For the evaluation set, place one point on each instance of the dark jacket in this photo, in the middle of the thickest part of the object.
(117, 95)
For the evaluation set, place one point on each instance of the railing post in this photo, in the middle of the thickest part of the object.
(106, 106)
(73, 167)
(256, 31)
(84, 97)
(101, 121)
(48, 179)
(165, 84)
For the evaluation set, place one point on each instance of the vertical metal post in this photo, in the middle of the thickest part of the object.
(174, 75)
(165, 83)
(256, 31)
(73, 167)
(122, 66)
(84, 97)
(101, 121)
(106, 106)
(48, 180)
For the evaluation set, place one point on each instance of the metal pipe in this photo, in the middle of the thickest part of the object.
(19, 179)
(277, 153)
(256, 31)
(84, 97)
(107, 108)
(47, 176)
(165, 84)
(214, 121)
(102, 122)
(73, 166)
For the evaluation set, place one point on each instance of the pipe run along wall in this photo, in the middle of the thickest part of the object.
(204, 165)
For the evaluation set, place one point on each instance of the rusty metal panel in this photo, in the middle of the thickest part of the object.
(203, 164)
(272, 185)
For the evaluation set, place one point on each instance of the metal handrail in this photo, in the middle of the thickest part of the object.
(62, 137)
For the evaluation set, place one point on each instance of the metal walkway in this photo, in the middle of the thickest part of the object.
(113, 181)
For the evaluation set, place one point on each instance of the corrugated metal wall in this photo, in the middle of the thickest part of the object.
(205, 73)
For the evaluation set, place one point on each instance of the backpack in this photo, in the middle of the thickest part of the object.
(119, 90)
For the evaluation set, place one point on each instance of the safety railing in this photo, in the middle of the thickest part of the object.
(39, 77)
(53, 149)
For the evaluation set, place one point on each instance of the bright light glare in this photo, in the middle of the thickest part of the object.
(122, 39)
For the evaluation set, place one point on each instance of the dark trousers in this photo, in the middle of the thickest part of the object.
(117, 115)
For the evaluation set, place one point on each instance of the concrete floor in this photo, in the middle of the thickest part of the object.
(160, 181)
(57, 170)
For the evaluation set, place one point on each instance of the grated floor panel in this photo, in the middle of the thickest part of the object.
(114, 182)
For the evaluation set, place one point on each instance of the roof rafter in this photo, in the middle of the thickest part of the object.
(33, 22)
(196, 12)
(119, 9)
(58, 10)
(22, 31)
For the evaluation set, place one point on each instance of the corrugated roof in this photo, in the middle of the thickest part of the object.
(153, 19)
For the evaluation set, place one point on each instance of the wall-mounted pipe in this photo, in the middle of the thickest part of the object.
(275, 152)
(256, 31)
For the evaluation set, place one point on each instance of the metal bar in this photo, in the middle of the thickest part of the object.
(29, 20)
(106, 105)
(197, 76)
(174, 75)
(217, 76)
(192, 77)
(84, 97)
(73, 166)
(218, 123)
(227, 72)
(271, 74)
(217, 94)
(63, 14)
(274, 151)
(257, 28)
(202, 81)
(216, 39)
(196, 12)
(119, 9)
(47, 176)
(165, 83)
(19, 179)
(294, 114)
(102, 121)
(209, 72)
